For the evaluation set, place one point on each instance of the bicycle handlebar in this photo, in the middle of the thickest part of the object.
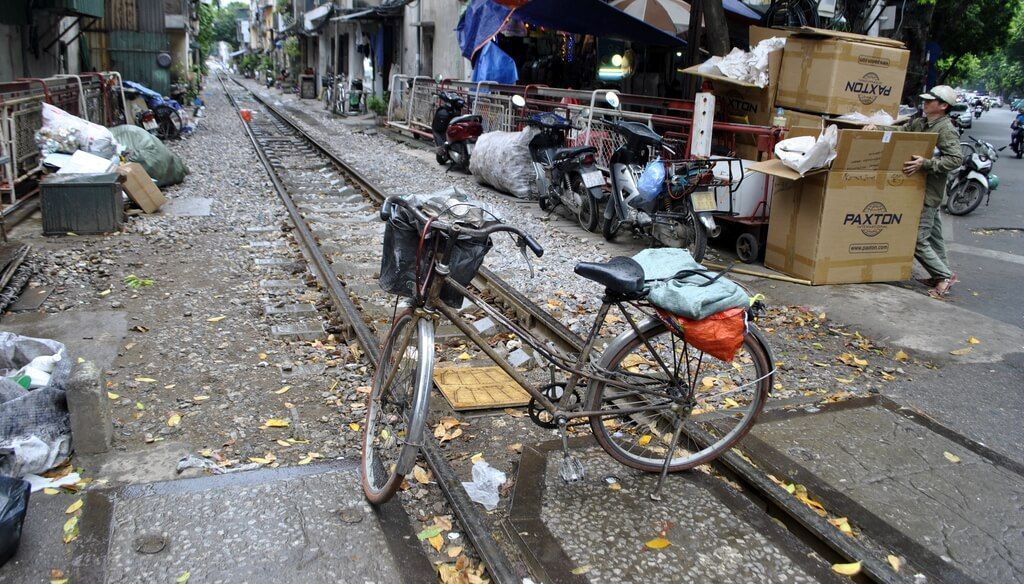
(387, 210)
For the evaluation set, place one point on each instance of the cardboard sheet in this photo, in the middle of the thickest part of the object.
(478, 388)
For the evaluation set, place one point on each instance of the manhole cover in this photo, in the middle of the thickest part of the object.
(351, 515)
(150, 544)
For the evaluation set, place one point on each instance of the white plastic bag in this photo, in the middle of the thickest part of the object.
(805, 153)
(502, 160)
(94, 138)
(484, 488)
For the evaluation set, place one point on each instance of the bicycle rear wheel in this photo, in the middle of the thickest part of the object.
(396, 410)
(727, 396)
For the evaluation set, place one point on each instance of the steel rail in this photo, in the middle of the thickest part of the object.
(499, 565)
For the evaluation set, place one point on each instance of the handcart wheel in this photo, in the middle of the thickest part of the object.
(747, 248)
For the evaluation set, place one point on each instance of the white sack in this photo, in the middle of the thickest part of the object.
(94, 138)
(502, 160)
(805, 153)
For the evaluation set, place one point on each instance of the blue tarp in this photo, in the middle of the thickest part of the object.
(484, 19)
(494, 64)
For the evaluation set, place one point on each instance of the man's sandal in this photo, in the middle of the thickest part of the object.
(942, 287)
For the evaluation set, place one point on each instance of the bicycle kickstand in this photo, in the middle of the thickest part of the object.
(656, 495)
(571, 468)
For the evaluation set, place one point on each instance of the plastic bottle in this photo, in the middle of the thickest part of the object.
(780, 118)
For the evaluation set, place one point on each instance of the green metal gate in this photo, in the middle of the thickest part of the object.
(134, 55)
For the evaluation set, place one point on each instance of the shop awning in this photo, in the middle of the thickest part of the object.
(484, 19)
(314, 19)
(387, 9)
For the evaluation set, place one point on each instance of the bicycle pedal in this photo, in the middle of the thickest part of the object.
(571, 469)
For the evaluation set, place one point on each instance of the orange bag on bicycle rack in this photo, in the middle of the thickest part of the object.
(719, 335)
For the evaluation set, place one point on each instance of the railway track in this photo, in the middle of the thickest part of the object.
(324, 196)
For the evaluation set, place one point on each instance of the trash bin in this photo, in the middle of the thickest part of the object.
(307, 86)
(82, 203)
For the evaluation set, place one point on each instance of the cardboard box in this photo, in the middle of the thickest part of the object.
(745, 103)
(855, 222)
(837, 73)
(798, 119)
(140, 187)
(757, 34)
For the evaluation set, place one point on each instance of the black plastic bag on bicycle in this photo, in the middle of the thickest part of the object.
(398, 270)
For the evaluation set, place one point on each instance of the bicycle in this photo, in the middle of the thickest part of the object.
(640, 391)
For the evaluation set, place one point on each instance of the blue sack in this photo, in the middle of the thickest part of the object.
(652, 180)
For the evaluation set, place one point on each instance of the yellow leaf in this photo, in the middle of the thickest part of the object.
(454, 551)
(464, 357)
(951, 457)
(842, 524)
(731, 403)
(183, 578)
(112, 395)
(74, 507)
(71, 529)
(306, 460)
(105, 292)
(354, 427)
(200, 398)
(478, 457)
(658, 543)
(140, 406)
(860, 362)
(436, 542)
(260, 460)
(283, 443)
(581, 570)
(145, 380)
(170, 386)
(644, 440)
(216, 318)
(615, 487)
(420, 474)
(847, 569)
(262, 356)
(440, 431)
(708, 382)
(50, 491)
(283, 390)
(894, 562)
(959, 352)
(276, 423)
(901, 356)
(973, 341)
(81, 360)
(844, 380)
(174, 420)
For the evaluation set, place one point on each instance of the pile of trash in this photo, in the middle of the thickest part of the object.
(747, 66)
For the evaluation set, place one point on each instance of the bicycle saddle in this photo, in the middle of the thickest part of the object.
(621, 274)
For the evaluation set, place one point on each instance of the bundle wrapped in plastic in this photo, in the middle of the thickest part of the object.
(93, 138)
(806, 153)
(63, 140)
(502, 160)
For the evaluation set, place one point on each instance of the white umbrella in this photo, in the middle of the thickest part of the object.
(671, 16)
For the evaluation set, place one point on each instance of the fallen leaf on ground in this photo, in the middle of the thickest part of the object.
(847, 569)
(421, 475)
(216, 318)
(657, 543)
(436, 542)
(145, 380)
(464, 357)
(50, 491)
(644, 440)
(581, 570)
(894, 562)
(276, 423)
(105, 292)
(615, 487)
(478, 457)
(354, 427)
(901, 356)
(453, 552)
(183, 578)
(960, 352)
(428, 532)
(73, 507)
(112, 395)
(71, 529)
(174, 420)
(200, 398)
(973, 341)
(282, 390)
(842, 524)
(951, 457)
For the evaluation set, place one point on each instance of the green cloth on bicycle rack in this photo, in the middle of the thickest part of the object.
(696, 293)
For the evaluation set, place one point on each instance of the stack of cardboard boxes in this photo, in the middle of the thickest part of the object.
(855, 221)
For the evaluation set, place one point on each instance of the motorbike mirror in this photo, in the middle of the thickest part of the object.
(518, 101)
(613, 99)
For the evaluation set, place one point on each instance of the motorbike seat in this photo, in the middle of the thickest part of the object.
(619, 274)
(466, 118)
(566, 153)
(642, 133)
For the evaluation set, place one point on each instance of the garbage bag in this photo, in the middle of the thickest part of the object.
(719, 335)
(14, 495)
(160, 163)
(35, 428)
(678, 284)
(652, 180)
(486, 482)
(502, 160)
(93, 138)
(494, 64)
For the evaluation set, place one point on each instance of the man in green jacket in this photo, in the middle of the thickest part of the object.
(931, 248)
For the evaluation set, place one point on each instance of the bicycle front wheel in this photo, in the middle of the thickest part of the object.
(660, 365)
(396, 411)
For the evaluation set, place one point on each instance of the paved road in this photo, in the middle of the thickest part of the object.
(987, 246)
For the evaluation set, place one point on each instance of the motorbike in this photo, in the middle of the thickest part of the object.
(977, 111)
(455, 133)
(565, 176)
(137, 111)
(680, 215)
(1017, 139)
(168, 112)
(973, 181)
